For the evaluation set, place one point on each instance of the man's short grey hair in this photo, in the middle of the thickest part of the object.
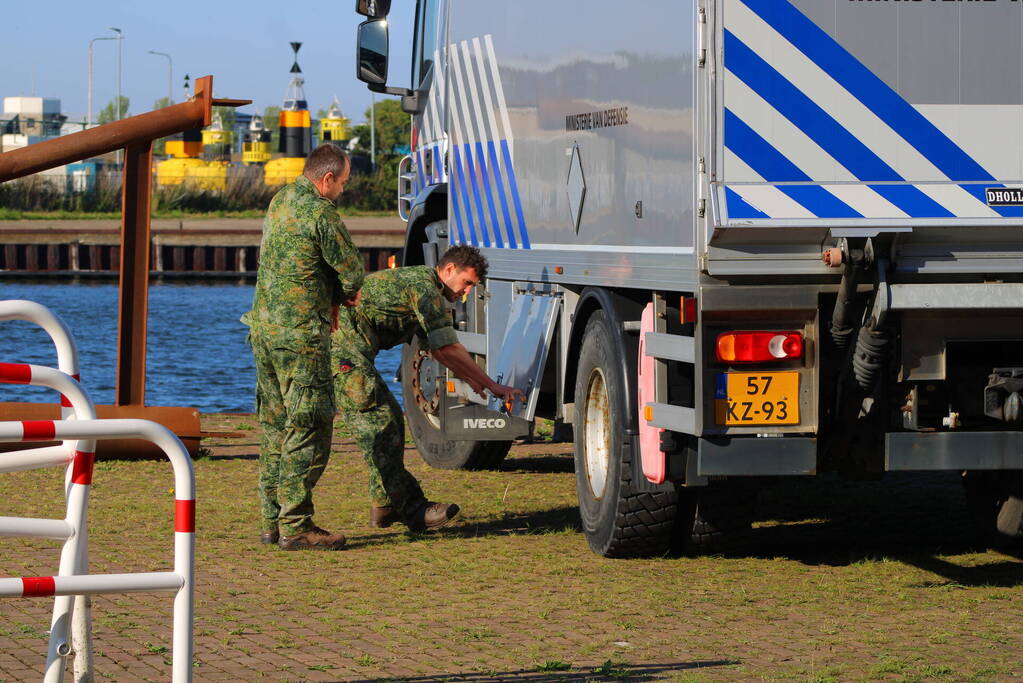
(327, 158)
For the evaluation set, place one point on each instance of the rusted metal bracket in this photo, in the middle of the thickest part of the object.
(135, 135)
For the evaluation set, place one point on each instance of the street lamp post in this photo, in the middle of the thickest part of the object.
(120, 38)
(170, 75)
(88, 121)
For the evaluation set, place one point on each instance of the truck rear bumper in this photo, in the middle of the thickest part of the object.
(904, 452)
(746, 457)
(907, 451)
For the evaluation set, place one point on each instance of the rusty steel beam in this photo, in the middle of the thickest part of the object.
(135, 135)
(66, 149)
(133, 304)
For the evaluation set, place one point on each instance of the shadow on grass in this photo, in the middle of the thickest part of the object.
(236, 456)
(539, 464)
(607, 672)
(912, 518)
(556, 520)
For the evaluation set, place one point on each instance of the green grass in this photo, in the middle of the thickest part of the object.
(836, 570)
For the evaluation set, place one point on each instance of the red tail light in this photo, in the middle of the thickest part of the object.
(414, 141)
(759, 347)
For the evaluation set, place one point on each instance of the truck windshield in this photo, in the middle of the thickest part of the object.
(426, 39)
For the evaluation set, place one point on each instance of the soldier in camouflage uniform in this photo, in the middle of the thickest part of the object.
(307, 266)
(397, 304)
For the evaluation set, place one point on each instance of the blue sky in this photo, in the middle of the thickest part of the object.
(245, 46)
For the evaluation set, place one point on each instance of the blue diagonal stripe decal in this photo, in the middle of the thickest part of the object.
(458, 214)
(876, 95)
(820, 127)
(460, 175)
(482, 161)
(739, 207)
(852, 75)
(514, 185)
(471, 169)
(773, 167)
(509, 230)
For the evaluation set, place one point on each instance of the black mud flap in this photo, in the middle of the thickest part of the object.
(473, 422)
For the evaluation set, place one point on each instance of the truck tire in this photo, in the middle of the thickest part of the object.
(421, 379)
(617, 519)
(995, 502)
(716, 518)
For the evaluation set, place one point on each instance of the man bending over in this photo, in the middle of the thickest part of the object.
(395, 305)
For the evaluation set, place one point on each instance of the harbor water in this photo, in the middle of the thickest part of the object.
(196, 351)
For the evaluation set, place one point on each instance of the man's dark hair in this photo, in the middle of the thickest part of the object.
(464, 256)
(327, 158)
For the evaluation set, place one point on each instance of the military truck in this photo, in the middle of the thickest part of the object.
(729, 240)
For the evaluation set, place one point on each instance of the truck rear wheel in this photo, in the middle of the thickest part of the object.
(716, 518)
(422, 381)
(995, 501)
(618, 520)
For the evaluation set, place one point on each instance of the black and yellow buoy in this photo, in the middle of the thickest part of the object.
(256, 143)
(335, 127)
(294, 141)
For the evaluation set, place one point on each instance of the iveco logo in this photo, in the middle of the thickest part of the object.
(484, 423)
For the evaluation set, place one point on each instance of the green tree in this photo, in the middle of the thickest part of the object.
(272, 122)
(392, 132)
(109, 112)
(227, 116)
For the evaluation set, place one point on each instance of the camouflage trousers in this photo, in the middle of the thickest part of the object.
(295, 406)
(374, 418)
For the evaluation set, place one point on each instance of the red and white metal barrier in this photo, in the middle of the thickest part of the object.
(70, 614)
(77, 451)
(67, 352)
(181, 579)
(79, 456)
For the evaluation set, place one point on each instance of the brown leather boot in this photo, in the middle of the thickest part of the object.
(313, 539)
(432, 516)
(383, 516)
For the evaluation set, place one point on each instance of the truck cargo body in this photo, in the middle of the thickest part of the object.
(728, 240)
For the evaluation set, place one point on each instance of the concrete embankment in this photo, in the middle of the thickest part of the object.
(188, 247)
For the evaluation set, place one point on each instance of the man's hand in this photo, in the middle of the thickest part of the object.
(457, 359)
(353, 300)
(334, 312)
(508, 395)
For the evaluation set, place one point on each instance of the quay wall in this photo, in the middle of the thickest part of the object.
(220, 247)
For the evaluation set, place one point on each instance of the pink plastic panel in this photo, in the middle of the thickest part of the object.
(651, 455)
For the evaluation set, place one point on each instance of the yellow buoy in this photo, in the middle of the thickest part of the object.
(335, 127)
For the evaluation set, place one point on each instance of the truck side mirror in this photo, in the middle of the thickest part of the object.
(374, 9)
(371, 53)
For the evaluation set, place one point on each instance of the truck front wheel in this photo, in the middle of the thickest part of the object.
(422, 380)
(995, 501)
(618, 520)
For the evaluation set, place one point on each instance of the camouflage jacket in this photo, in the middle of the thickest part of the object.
(307, 262)
(397, 304)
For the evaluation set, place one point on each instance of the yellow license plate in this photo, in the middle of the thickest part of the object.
(757, 398)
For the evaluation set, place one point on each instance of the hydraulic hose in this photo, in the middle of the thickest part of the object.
(868, 358)
(842, 317)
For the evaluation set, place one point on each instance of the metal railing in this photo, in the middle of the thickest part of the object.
(79, 430)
